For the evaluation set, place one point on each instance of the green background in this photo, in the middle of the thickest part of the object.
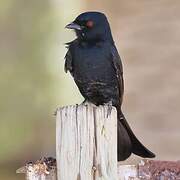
(33, 83)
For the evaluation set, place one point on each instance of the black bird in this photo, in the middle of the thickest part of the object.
(96, 67)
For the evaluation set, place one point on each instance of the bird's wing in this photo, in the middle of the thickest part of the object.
(68, 66)
(117, 64)
(137, 147)
(68, 62)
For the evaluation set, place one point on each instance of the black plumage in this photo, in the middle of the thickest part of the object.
(96, 67)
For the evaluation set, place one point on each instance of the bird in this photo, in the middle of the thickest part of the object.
(95, 64)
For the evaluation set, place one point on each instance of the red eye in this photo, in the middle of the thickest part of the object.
(89, 24)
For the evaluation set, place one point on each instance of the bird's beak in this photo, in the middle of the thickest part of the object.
(73, 26)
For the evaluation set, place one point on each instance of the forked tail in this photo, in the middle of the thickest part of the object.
(128, 142)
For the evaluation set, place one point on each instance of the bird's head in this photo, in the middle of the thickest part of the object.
(91, 26)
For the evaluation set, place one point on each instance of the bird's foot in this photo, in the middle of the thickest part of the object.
(84, 102)
(109, 109)
(87, 102)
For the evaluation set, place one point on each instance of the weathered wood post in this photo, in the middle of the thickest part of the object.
(86, 143)
(86, 149)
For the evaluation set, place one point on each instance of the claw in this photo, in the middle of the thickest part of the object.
(85, 102)
(109, 110)
(109, 104)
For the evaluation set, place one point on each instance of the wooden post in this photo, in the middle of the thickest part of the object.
(86, 143)
(86, 149)
(43, 169)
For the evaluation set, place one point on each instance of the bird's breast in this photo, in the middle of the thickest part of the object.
(93, 64)
(95, 75)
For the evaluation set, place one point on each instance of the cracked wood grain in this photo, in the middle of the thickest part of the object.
(86, 143)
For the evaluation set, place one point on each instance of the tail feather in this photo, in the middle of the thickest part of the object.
(124, 143)
(136, 146)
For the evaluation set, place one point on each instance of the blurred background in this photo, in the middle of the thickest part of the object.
(33, 83)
